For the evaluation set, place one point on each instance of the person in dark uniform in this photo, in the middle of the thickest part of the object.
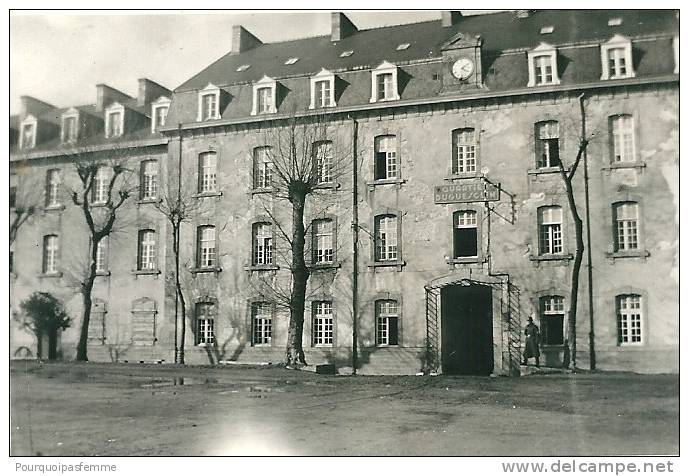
(533, 338)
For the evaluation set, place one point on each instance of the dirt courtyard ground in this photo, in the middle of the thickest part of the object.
(109, 409)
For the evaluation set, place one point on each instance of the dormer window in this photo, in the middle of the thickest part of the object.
(27, 137)
(543, 66)
(114, 120)
(159, 109)
(616, 58)
(322, 90)
(70, 124)
(264, 96)
(546, 30)
(384, 83)
(615, 22)
(209, 103)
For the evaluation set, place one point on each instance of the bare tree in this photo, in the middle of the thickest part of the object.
(567, 174)
(102, 190)
(179, 205)
(301, 156)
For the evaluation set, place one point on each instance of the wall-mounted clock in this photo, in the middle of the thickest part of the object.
(462, 68)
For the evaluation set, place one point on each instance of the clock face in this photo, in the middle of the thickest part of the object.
(462, 68)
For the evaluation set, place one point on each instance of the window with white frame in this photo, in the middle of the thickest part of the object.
(205, 323)
(622, 135)
(323, 323)
(102, 256)
(626, 216)
(550, 230)
(386, 238)
(114, 121)
(387, 322)
(547, 144)
(384, 83)
(463, 151)
(616, 58)
(552, 318)
(69, 128)
(52, 188)
(99, 188)
(149, 179)
(322, 90)
(209, 103)
(629, 319)
(208, 164)
(264, 96)
(146, 259)
(262, 244)
(386, 164)
(159, 116)
(51, 248)
(205, 247)
(261, 323)
(27, 137)
(465, 234)
(323, 155)
(543, 66)
(263, 167)
(323, 241)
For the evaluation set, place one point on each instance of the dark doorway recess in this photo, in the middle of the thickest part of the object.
(467, 330)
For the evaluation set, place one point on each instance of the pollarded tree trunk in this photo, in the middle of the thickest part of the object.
(178, 291)
(86, 289)
(294, 354)
(574, 288)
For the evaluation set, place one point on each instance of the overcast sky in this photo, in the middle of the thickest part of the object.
(60, 58)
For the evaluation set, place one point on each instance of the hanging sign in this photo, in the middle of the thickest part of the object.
(466, 191)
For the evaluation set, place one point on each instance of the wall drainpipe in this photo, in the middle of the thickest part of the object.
(355, 247)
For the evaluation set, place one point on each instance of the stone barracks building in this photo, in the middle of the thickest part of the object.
(448, 227)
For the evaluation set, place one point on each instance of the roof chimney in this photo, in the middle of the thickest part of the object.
(242, 40)
(450, 18)
(33, 106)
(149, 91)
(105, 95)
(524, 13)
(341, 26)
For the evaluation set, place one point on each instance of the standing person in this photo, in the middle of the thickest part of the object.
(533, 337)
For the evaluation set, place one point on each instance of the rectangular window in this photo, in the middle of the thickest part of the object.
(52, 188)
(617, 63)
(548, 144)
(629, 319)
(13, 190)
(626, 226)
(323, 247)
(464, 154)
(101, 181)
(386, 238)
(206, 247)
(386, 158)
(263, 168)
(552, 320)
(323, 93)
(209, 105)
(324, 161)
(51, 246)
(69, 131)
(147, 250)
(465, 236)
(208, 163)
(264, 96)
(205, 332)
(323, 323)
(149, 179)
(263, 244)
(28, 131)
(384, 89)
(544, 69)
(623, 138)
(114, 124)
(161, 116)
(261, 323)
(550, 219)
(387, 322)
(102, 256)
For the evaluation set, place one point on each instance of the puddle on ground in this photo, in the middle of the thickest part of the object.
(253, 391)
(179, 381)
